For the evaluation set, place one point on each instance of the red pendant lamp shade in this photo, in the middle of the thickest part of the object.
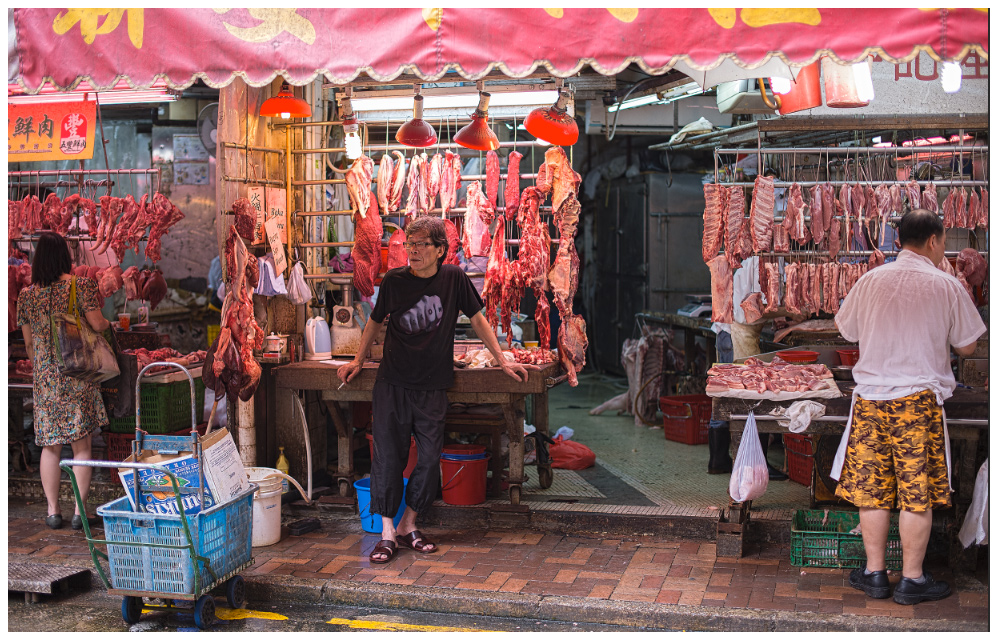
(416, 132)
(553, 124)
(478, 135)
(285, 105)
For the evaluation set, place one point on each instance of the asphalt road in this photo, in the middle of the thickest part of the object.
(95, 611)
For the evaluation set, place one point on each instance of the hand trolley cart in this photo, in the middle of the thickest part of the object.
(170, 556)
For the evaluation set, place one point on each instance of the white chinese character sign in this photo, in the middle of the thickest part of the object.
(53, 131)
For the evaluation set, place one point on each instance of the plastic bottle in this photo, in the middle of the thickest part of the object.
(283, 466)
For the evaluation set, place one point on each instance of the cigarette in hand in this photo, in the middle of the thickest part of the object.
(342, 384)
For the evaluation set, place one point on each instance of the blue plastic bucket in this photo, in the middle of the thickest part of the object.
(371, 522)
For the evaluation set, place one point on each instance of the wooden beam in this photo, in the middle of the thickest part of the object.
(842, 123)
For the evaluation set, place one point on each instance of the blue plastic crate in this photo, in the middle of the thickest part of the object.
(223, 534)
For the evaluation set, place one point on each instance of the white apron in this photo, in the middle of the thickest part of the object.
(840, 454)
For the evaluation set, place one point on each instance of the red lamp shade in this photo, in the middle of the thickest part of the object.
(285, 105)
(553, 124)
(416, 132)
(478, 135)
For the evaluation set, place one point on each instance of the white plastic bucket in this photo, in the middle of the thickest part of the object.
(266, 506)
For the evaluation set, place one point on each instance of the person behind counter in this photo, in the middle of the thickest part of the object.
(421, 302)
(895, 449)
(66, 410)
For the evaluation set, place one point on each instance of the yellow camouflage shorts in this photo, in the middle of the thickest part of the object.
(896, 454)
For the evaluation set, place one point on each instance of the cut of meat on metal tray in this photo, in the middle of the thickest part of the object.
(765, 380)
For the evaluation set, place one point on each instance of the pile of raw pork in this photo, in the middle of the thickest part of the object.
(756, 375)
(857, 215)
(505, 280)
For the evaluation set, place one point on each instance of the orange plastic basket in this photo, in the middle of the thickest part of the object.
(687, 418)
(800, 457)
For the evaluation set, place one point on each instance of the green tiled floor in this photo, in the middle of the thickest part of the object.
(636, 465)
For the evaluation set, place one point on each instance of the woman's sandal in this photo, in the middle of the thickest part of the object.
(417, 542)
(386, 548)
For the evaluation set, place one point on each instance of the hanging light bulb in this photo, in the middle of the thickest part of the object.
(354, 148)
(951, 76)
(781, 86)
(478, 135)
(553, 124)
(416, 132)
(285, 105)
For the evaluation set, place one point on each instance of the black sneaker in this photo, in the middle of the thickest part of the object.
(873, 584)
(910, 592)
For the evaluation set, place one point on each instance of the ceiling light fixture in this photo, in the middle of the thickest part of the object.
(416, 132)
(478, 135)
(120, 93)
(285, 105)
(951, 76)
(553, 124)
(354, 148)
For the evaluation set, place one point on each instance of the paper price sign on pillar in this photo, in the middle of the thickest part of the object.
(277, 209)
(257, 197)
(276, 244)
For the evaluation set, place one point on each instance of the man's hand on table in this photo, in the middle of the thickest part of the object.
(349, 371)
(514, 369)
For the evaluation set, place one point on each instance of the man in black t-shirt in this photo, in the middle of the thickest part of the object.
(422, 303)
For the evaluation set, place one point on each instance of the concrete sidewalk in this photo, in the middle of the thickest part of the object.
(652, 581)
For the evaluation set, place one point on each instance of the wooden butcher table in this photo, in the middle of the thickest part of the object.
(471, 386)
(966, 419)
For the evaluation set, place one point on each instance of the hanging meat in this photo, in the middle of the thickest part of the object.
(949, 210)
(817, 231)
(450, 181)
(982, 217)
(564, 274)
(358, 179)
(792, 299)
(18, 277)
(477, 217)
(14, 208)
(119, 238)
(876, 259)
(960, 206)
(713, 219)
(834, 238)
(534, 256)
(557, 177)
(453, 243)
(781, 240)
(793, 220)
(735, 231)
(914, 194)
(572, 345)
(397, 255)
(897, 199)
(495, 278)
(973, 209)
(830, 287)
(971, 269)
(230, 367)
(367, 233)
(721, 289)
(492, 178)
(245, 217)
(769, 280)
(51, 211)
(761, 214)
(511, 193)
(397, 183)
(154, 289)
(385, 175)
(109, 281)
(418, 198)
(130, 279)
(31, 215)
(930, 200)
(163, 214)
(435, 171)
(752, 307)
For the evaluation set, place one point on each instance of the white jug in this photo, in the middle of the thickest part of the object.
(317, 339)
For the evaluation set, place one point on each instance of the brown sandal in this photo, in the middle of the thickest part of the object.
(417, 542)
(384, 547)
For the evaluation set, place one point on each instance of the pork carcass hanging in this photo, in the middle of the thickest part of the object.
(971, 269)
(793, 220)
(721, 289)
(713, 219)
(358, 178)
(418, 198)
(154, 289)
(398, 182)
(435, 172)
(163, 215)
(245, 217)
(533, 262)
(572, 345)
(792, 299)
(50, 211)
(511, 192)
(477, 217)
(366, 252)
(737, 245)
(914, 194)
(386, 173)
(496, 276)
(761, 214)
(563, 277)
(453, 243)
(930, 200)
(450, 181)
(557, 177)
(769, 280)
(492, 178)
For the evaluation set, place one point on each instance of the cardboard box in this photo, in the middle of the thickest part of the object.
(224, 476)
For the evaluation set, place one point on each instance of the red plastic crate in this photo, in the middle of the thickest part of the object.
(687, 418)
(800, 457)
(119, 445)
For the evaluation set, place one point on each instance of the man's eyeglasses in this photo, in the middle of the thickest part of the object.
(416, 245)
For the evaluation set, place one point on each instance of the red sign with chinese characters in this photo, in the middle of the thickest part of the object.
(218, 45)
(55, 131)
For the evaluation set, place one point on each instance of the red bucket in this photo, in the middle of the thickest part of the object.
(463, 481)
(410, 465)
(848, 357)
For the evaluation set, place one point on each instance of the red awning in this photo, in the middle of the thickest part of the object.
(217, 45)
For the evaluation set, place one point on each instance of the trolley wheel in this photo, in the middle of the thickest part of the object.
(204, 612)
(345, 487)
(131, 609)
(235, 592)
(545, 476)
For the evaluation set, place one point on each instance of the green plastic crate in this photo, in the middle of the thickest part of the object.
(165, 408)
(813, 544)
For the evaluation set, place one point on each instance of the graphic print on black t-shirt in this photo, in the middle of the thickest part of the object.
(424, 316)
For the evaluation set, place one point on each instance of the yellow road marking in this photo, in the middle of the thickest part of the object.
(372, 625)
(224, 613)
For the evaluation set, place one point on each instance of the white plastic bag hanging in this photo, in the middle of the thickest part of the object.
(975, 524)
(750, 475)
(298, 291)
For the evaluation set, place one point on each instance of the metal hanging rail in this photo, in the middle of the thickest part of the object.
(80, 172)
(848, 150)
(782, 184)
(858, 253)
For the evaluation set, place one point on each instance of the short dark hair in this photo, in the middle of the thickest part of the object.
(51, 259)
(917, 226)
(435, 230)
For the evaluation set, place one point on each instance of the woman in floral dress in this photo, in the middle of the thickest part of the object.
(67, 410)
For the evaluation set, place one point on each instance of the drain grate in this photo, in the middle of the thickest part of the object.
(36, 579)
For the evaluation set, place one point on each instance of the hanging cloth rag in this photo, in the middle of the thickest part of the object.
(800, 414)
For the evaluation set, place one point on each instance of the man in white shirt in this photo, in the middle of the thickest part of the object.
(905, 316)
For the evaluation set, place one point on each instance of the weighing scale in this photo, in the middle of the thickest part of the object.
(697, 307)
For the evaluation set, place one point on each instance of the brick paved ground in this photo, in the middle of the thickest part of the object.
(630, 569)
